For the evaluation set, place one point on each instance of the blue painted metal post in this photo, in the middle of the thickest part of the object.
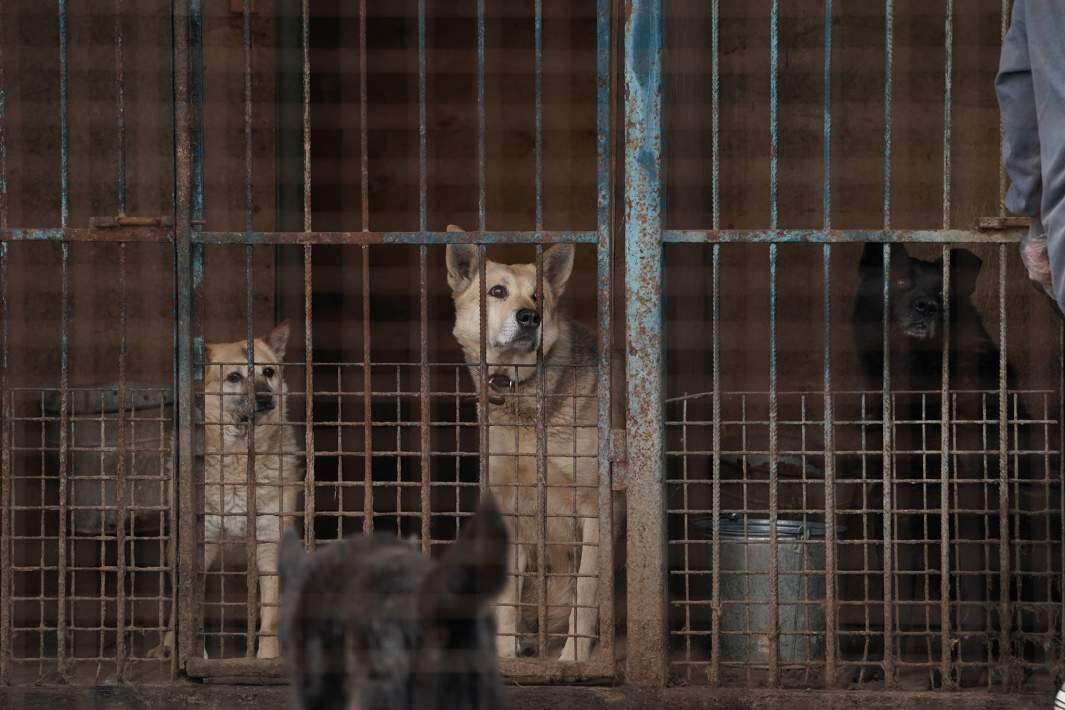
(643, 304)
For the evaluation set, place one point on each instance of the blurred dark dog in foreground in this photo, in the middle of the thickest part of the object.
(370, 623)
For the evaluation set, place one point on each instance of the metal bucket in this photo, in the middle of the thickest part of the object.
(93, 454)
(745, 608)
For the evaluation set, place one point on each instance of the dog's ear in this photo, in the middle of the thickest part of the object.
(278, 338)
(472, 572)
(964, 268)
(558, 265)
(292, 562)
(463, 262)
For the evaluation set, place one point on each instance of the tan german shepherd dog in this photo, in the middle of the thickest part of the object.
(516, 322)
(234, 397)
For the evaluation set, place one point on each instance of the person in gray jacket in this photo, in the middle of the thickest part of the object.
(1031, 98)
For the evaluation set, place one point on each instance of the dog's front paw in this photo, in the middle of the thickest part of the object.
(269, 647)
(165, 649)
(506, 647)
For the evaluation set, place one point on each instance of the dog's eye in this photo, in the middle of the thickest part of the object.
(235, 377)
(902, 283)
(498, 292)
(268, 372)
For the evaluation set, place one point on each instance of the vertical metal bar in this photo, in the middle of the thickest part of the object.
(944, 481)
(541, 467)
(715, 116)
(308, 390)
(604, 264)
(1004, 622)
(187, 38)
(367, 385)
(887, 423)
(774, 608)
(64, 216)
(308, 291)
(251, 532)
(1004, 25)
(5, 443)
(120, 469)
(715, 562)
(715, 189)
(482, 389)
(889, 56)
(482, 124)
(831, 630)
(541, 431)
(423, 282)
(888, 417)
(944, 397)
(647, 641)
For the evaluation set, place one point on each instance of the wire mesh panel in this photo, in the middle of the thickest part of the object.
(87, 481)
(863, 447)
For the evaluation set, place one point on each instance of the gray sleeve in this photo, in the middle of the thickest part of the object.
(1016, 101)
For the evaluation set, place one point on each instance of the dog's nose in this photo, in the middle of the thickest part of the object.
(925, 306)
(528, 318)
(264, 399)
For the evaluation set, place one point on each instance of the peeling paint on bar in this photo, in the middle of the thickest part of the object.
(408, 238)
(832, 236)
(646, 646)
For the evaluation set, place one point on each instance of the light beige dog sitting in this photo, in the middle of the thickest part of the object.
(515, 323)
(236, 399)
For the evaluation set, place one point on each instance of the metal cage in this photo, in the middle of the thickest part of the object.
(782, 529)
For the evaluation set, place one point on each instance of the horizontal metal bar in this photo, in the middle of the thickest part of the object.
(823, 236)
(90, 234)
(519, 670)
(413, 238)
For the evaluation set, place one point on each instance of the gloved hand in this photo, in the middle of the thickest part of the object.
(1035, 257)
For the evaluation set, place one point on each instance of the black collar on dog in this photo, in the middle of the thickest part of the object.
(500, 383)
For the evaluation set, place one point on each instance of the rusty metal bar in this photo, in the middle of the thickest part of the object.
(834, 236)
(423, 287)
(829, 432)
(308, 291)
(6, 476)
(188, 196)
(367, 403)
(541, 397)
(541, 467)
(120, 469)
(64, 353)
(367, 395)
(888, 416)
(774, 562)
(647, 640)
(251, 531)
(1003, 180)
(944, 397)
(714, 673)
(604, 265)
(715, 552)
(944, 480)
(90, 234)
(482, 388)
(482, 127)
(369, 238)
(1005, 649)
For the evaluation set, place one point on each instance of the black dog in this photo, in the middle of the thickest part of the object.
(915, 344)
(370, 623)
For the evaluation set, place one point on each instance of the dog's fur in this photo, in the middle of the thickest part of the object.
(368, 623)
(916, 342)
(233, 398)
(569, 419)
